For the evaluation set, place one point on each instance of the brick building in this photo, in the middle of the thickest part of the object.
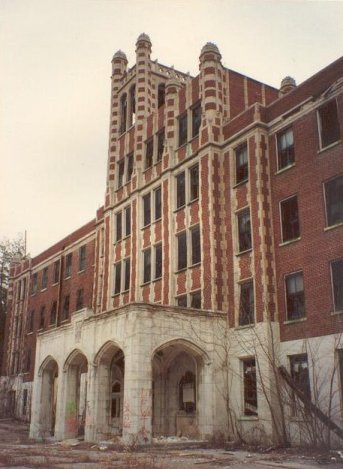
(217, 257)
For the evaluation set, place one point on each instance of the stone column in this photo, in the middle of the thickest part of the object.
(92, 403)
(206, 401)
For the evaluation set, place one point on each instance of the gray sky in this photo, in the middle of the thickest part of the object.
(55, 62)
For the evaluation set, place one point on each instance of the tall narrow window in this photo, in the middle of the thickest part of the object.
(147, 209)
(329, 124)
(79, 299)
(42, 317)
(242, 167)
(334, 201)
(129, 167)
(118, 226)
(295, 296)
(126, 274)
(117, 278)
(300, 376)
(27, 369)
(181, 251)
(56, 271)
(147, 265)
(182, 129)
(340, 369)
(161, 94)
(82, 258)
(194, 182)
(69, 260)
(160, 144)
(250, 386)
(30, 322)
(65, 311)
(158, 261)
(285, 147)
(53, 313)
(196, 300)
(45, 278)
(34, 285)
(158, 203)
(132, 105)
(246, 304)
(180, 190)
(149, 152)
(290, 219)
(123, 113)
(244, 230)
(196, 120)
(196, 250)
(337, 284)
(128, 221)
(121, 170)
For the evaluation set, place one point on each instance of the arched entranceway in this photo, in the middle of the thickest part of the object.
(47, 412)
(110, 365)
(76, 367)
(177, 368)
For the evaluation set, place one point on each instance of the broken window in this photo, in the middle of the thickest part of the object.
(123, 113)
(158, 203)
(45, 278)
(250, 386)
(147, 210)
(334, 201)
(129, 167)
(53, 313)
(127, 274)
(69, 259)
(160, 144)
(117, 278)
(183, 129)
(149, 152)
(121, 170)
(246, 303)
(180, 190)
(127, 221)
(196, 250)
(161, 94)
(295, 296)
(301, 377)
(196, 120)
(158, 261)
(244, 230)
(187, 392)
(147, 265)
(329, 124)
(181, 251)
(194, 182)
(65, 311)
(56, 271)
(337, 284)
(285, 148)
(290, 219)
(82, 258)
(118, 226)
(79, 299)
(242, 168)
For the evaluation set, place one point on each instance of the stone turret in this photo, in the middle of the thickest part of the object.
(287, 85)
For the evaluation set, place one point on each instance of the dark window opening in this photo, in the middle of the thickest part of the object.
(56, 271)
(123, 113)
(127, 221)
(42, 317)
(180, 190)
(79, 299)
(69, 259)
(196, 248)
(158, 204)
(295, 296)
(187, 393)
(118, 226)
(337, 284)
(246, 304)
(285, 146)
(329, 124)
(160, 144)
(121, 170)
(127, 274)
(147, 265)
(242, 167)
(181, 251)
(129, 167)
(183, 129)
(196, 300)
(196, 120)
(334, 201)
(147, 210)
(194, 182)
(82, 258)
(290, 219)
(149, 152)
(117, 278)
(250, 387)
(301, 377)
(25, 393)
(161, 94)
(132, 105)
(53, 313)
(182, 301)
(340, 368)
(34, 287)
(244, 230)
(65, 311)
(158, 261)
(45, 278)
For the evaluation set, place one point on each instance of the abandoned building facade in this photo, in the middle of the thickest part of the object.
(216, 258)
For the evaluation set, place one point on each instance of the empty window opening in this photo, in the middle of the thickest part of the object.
(79, 299)
(337, 284)
(334, 201)
(250, 387)
(244, 230)
(290, 219)
(329, 124)
(161, 94)
(246, 303)
(187, 393)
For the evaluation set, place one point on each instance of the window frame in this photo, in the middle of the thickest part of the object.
(147, 265)
(79, 304)
(238, 178)
(196, 119)
(53, 309)
(45, 278)
(182, 129)
(239, 214)
(146, 209)
(66, 310)
(129, 167)
(69, 265)
(191, 182)
(251, 314)
(320, 127)
(82, 257)
(181, 258)
(160, 144)
(279, 151)
(57, 273)
(245, 394)
(289, 276)
(336, 309)
(149, 153)
(281, 202)
(120, 173)
(325, 183)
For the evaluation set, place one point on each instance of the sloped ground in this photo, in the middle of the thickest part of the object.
(16, 450)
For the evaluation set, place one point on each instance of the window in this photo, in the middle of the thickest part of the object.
(290, 219)
(123, 113)
(180, 190)
(56, 271)
(182, 301)
(127, 274)
(118, 226)
(149, 152)
(161, 94)
(295, 298)
(147, 210)
(45, 278)
(158, 261)
(334, 201)
(250, 386)
(27, 368)
(242, 168)
(132, 105)
(329, 124)
(337, 284)
(181, 251)
(79, 299)
(187, 401)
(129, 167)
(121, 170)
(246, 303)
(340, 368)
(158, 205)
(25, 390)
(117, 278)
(300, 376)
(194, 182)
(82, 258)
(244, 230)
(53, 313)
(42, 317)
(196, 120)
(182, 129)
(147, 265)
(69, 259)
(160, 144)
(30, 322)
(285, 148)
(195, 299)
(196, 251)
(34, 287)
(127, 221)
(65, 311)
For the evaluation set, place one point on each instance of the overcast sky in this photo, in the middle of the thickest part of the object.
(55, 66)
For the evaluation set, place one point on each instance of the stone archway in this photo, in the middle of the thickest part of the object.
(47, 412)
(177, 371)
(76, 368)
(110, 364)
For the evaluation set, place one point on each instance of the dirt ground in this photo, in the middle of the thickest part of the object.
(16, 450)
